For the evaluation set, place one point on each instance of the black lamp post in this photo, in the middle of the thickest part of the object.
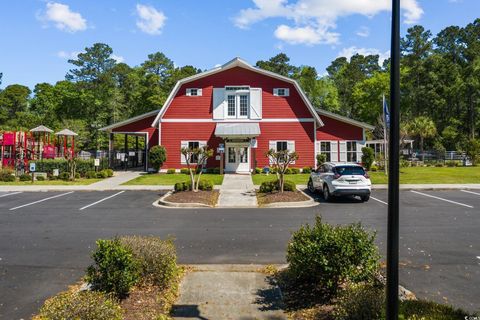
(393, 171)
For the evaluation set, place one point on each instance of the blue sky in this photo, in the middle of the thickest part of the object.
(38, 36)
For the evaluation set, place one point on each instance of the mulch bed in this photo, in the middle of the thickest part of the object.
(206, 197)
(286, 196)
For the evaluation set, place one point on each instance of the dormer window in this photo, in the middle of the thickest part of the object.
(194, 92)
(281, 92)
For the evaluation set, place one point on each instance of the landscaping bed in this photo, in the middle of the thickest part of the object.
(165, 179)
(80, 181)
(209, 198)
(275, 197)
(299, 178)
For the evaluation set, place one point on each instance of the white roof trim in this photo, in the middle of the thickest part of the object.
(128, 121)
(345, 119)
(237, 62)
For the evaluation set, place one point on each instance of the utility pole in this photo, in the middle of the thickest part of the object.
(393, 169)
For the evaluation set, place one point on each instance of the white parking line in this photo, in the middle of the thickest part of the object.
(381, 201)
(438, 198)
(478, 194)
(9, 194)
(101, 200)
(38, 201)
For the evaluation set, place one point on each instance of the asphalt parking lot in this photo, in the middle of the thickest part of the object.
(46, 238)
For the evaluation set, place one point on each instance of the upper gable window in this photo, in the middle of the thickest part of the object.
(194, 92)
(281, 92)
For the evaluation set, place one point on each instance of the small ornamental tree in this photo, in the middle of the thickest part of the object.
(196, 159)
(472, 150)
(368, 156)
(321, 159)
(281, 160)
(157, 156)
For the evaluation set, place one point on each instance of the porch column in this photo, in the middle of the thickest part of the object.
(145, 153)
(136, 151)
(110, 150)
(125, 150)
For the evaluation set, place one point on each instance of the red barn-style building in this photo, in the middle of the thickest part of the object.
(246, 110)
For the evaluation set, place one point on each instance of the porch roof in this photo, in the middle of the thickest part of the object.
(244, 130)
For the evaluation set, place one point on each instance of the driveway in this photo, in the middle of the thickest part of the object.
(46, 240)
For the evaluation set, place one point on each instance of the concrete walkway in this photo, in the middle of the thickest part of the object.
(115, 181)
(237, 191)
(228, 292)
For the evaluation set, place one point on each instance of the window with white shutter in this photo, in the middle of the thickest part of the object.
(343, 151)
(334, 151)
(219, 103)
(281, 92)
(360, 146)
(194, 92)
(352, 151)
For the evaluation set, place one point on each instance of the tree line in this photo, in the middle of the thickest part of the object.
(440, 89)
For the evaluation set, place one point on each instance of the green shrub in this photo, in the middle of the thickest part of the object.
(324, 256)
(114, 270)
(184, 171)
(170, 171)
(157, 156)
(361, 302)
(157, 259)
(216, 171)
(451, 164)
(52, 178)
(90, 175)
(439, 165)
(273, 170)
(258, 170)
(404, 163)
(307, 170)
(84, 305)
(179, 186)
(295, 170)
(40, 178)
(374, 168)
(102, 174)
(420, 309)
(64, 176)
(321, 159)
(368, 157)
(288, 171)
(77, 175)
(6, 175)
(25, 177)
(205, 185)
(273, 185)
(109, 172)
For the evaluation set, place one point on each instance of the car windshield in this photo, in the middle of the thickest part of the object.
(350, 170)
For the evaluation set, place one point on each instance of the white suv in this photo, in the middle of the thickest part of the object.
(337, 179)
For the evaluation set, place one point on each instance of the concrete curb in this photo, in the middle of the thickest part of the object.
(162, 203)
(429, 186)
(294, 204)
(232, 267)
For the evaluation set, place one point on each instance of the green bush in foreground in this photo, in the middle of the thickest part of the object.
(156, 258)
(361, 302)
(307, 170)
(324, 256)
(25, 177)
(114, 270)
(85, 305)
(170, 171)
(272, 186)
(204, 185)
(157, 156)
(6, 175)
(90, 174)
(102, 174)
(40, 178)
(109, 172)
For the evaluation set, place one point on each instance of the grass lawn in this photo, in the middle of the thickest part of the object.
(164, 179)
(418, 175)
(77, 182)
(301, 178)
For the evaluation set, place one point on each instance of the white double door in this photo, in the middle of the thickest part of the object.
(237, 157)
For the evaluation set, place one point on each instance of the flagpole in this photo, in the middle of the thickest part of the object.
(385, 141)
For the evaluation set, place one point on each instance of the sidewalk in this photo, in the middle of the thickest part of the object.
(237, 191)
(228, 292)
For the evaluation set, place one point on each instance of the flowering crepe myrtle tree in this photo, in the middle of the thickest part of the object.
(281, 160)
(195, 168)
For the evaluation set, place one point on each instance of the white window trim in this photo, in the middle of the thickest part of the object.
(188, 92)
(286, 92)
(289, 142)
(237, 94)
(185, 143)
(319, 150)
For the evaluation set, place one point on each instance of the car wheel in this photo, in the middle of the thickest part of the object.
(311, 188)
(326, 193)
(365, 198)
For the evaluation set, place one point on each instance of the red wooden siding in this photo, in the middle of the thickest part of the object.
(338, 130)
(187, 107)
(143, 125)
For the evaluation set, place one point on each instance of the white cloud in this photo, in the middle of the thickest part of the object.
(67, 55)
(150, 20)
(363, 32)
(119, 59)
(63, 18)
(314, 21)
(351, 51)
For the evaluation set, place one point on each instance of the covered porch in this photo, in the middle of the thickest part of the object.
(238, 149)
(128, 150)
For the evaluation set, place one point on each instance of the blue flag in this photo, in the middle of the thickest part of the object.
(386, 113)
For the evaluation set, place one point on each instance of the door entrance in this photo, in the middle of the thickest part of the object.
(237, 158)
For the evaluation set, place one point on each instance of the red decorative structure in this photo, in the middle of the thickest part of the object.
(16, 149)
(45, 150)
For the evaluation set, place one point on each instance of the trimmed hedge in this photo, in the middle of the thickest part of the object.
(6, 175)
(204, 185)
(273, 185)
(83, 166)
(156, 258)
(85, 305)
(323, 256)
(25, 177)
(307, 170)
(170, 171)
(184, 171)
